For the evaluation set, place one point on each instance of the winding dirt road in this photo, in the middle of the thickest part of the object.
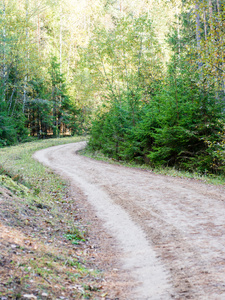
(171, 230)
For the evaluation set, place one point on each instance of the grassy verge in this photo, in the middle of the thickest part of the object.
(44, 245)
(207, 178)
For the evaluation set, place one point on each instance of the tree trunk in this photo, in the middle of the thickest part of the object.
(205, 23)
(211, 16)
(4, 53)
(218, 6)
(38, 34)
(60, 39)
(198, 35)
(27, 56)
(178, 30)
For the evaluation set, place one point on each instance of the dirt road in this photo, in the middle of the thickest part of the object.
(171, 230)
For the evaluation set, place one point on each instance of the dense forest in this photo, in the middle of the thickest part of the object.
(145, 78)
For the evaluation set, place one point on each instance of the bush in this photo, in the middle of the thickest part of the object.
(182, 128)
(12, 128)
(7, 131)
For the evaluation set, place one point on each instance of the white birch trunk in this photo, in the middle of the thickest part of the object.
(4, 52)
(198, 39)
(211, 16)
(38, 34)
(27, 57)
(178, 31)
(197, 19)
(60, 39)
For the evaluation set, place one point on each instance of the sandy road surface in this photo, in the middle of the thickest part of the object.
(172, 231)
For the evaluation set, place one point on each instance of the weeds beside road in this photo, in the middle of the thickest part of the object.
(45, 252)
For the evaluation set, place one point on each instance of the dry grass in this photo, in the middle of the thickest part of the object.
(45, 250)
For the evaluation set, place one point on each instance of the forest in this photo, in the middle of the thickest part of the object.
(144, 78)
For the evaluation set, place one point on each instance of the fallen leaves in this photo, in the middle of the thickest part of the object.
(35, 250)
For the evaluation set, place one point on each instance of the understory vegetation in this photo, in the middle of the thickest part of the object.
(169, 114)
(182, 128)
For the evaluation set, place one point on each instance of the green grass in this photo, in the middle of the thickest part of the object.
(39, 199)
(17, 162)
(169, 171)
(75, 236)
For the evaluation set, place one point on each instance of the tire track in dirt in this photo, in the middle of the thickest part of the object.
(171, 230)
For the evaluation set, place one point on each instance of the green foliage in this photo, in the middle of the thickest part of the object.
(12, 128)
(172, 120)
(32, 82)
(112, 128)
(14, 186)
(180, 126)
(7, 130)
(75, 236)
(55, 76)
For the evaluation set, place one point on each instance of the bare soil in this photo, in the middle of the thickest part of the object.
(167, 233)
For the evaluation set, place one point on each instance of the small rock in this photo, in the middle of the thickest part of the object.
(44, 294)
(27, 296)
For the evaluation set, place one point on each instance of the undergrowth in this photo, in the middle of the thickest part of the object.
(170, 171)
(42, 237)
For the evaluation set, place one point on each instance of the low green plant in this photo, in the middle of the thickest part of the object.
(14, 186)
(75, 236)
